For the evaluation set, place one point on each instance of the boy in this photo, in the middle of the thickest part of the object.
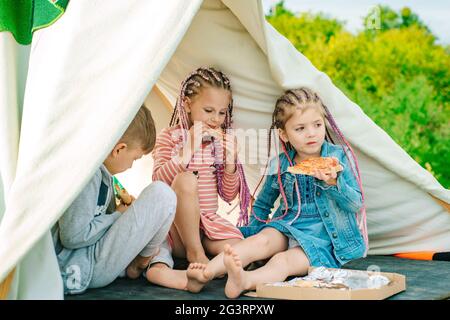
(95, 241)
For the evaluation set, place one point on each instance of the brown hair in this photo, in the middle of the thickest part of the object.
(141, 132)
(301, 98)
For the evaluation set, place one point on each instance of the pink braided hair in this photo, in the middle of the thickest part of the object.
(361, 216)
(190, 87)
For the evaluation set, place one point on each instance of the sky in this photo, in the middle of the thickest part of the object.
(434, 13)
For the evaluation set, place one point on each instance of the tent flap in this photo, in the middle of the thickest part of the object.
(84, 82)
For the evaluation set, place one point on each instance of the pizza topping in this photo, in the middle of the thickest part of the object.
(308, 166)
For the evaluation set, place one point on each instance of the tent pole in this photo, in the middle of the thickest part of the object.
(442, 203)
(6, 285)
(163, 98)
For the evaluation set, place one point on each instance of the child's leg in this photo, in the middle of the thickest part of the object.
(162, 255)
(214, 247)
(140, 230)
(282, 265)
(163, 275)
(138, 265)
(260, 246)
(161, 270)
(187, 218)
(158, 245)
(178, 249)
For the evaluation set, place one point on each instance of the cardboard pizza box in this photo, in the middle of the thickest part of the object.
(397, 284)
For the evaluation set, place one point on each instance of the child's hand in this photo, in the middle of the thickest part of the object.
(122, 207)
(195, 139)
(132, 200)
(125, 197)
(328, 177)
(194, 142)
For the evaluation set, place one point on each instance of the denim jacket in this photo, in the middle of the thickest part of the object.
(337, 205)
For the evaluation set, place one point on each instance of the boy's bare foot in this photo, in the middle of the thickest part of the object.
(196, 277)
(199, 257)
(236, 282)
(137, 266)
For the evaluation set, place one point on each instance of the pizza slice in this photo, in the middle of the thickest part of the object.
(123, 195)
(324, 164)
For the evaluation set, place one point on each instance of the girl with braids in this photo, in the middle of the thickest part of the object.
(197, 156)
(315, 223)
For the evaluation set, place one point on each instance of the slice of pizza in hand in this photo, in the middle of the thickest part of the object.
(324, 164)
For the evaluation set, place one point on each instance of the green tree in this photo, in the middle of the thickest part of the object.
(398, 75)
(305, 29)
(280, 10)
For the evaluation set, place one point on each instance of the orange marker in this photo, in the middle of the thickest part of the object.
(424, 255)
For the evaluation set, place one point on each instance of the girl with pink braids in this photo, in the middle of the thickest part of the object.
(197, 156)
(321, 218)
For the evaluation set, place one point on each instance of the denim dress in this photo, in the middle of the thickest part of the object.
(326, 228)
(307, 231)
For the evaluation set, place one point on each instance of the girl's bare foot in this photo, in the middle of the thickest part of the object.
(196, 277)
(236, 282)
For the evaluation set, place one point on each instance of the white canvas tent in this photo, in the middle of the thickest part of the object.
(87, 75)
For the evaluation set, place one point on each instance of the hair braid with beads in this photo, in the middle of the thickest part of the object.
(205, 77)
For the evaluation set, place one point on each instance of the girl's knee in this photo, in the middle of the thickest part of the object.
(281, 257)
(185, 182)
(270, 236)
(295, 260)
(261, 240)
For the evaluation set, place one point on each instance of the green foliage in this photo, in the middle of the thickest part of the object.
(280, 10)
(304, 30)
(389, 19)
(397, 74)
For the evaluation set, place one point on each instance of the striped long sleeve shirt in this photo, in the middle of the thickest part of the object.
(167, 165)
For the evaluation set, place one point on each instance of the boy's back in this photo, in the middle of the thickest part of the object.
(94, 240)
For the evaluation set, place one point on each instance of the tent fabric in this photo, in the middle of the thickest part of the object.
(33, 271)
(85, 82)
(401, 215)
(64, 63)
